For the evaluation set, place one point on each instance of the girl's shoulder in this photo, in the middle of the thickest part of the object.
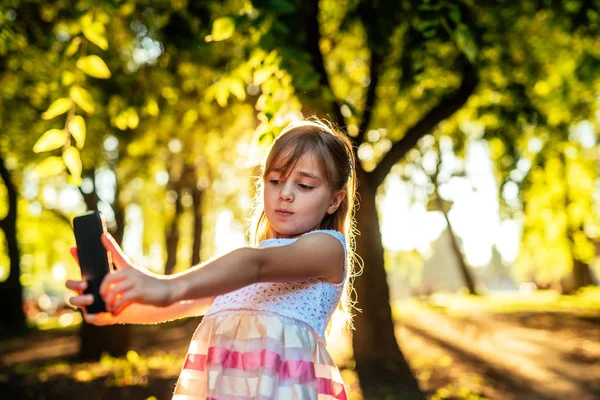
(338, 235)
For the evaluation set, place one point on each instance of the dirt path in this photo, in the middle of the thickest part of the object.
(518, 358)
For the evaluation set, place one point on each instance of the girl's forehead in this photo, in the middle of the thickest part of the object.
(307, 163)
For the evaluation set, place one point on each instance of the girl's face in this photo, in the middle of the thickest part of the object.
(297, 203)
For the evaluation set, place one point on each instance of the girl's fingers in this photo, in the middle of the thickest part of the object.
(117, 289)
(91, 318)
(119, 258)
(82, 301)
(122, 302)
(77, 286)
(109, 280)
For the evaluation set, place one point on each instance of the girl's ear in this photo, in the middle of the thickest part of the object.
(336, 200)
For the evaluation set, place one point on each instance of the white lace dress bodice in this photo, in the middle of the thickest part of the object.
(312, 301)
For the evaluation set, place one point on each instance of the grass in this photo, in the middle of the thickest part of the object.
(133, 369)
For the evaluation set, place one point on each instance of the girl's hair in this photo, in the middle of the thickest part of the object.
(335, 154)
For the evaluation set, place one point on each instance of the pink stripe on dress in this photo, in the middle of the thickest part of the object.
(293, 369)
(335, 389)
(196, 362)
(297, 369)
(244, 361)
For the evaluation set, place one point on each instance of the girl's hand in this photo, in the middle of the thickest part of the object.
(81, 301)
(131, 284)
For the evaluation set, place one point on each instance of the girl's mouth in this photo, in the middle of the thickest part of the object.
(283, 213)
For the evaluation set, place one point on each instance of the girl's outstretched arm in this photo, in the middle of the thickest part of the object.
(318, 255)
(136, 313)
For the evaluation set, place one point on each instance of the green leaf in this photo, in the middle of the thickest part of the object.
(465, 42)
(78, 130)
(133, 118)
(50, 140)
(67, 78)
(262, 74)
(455, 15)
(152, 107)
(127, 119)
(74, 180)
(121, 121)
(73, 47)
(223, 28)
(82, 98)
(221, 95)
(86, 19)
(51, 166)
(282, 6)
(72, 160)
(236, 87)
(96, 34)
(58, 107)
(94, 66)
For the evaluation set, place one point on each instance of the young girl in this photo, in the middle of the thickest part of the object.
(269, 305)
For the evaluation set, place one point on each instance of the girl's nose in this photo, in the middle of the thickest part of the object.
(285, 194)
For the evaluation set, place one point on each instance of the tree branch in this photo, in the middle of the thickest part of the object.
(447, 106)
(312, 45)
(374, 67)
(11, 215)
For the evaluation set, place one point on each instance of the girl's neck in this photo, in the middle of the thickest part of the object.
(276, 235)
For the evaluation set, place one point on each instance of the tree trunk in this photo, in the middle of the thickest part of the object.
(173, 233)
(380, 364)
(581, 274)
(12, 316)
(197, 205)
(114, 339)
(460, 259)
(95, 340)
(90, 199)
(119, 218)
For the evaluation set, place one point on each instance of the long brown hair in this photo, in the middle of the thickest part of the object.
(335, 154)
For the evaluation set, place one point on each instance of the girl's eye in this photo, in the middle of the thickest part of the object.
(274, 181)
(305, 187)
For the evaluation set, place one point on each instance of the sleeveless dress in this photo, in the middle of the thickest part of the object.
(266, 341)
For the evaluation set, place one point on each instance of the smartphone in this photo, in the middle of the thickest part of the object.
(95, 262)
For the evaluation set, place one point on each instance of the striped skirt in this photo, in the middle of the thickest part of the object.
(247, 354)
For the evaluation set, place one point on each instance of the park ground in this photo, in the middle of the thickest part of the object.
(541, 346)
